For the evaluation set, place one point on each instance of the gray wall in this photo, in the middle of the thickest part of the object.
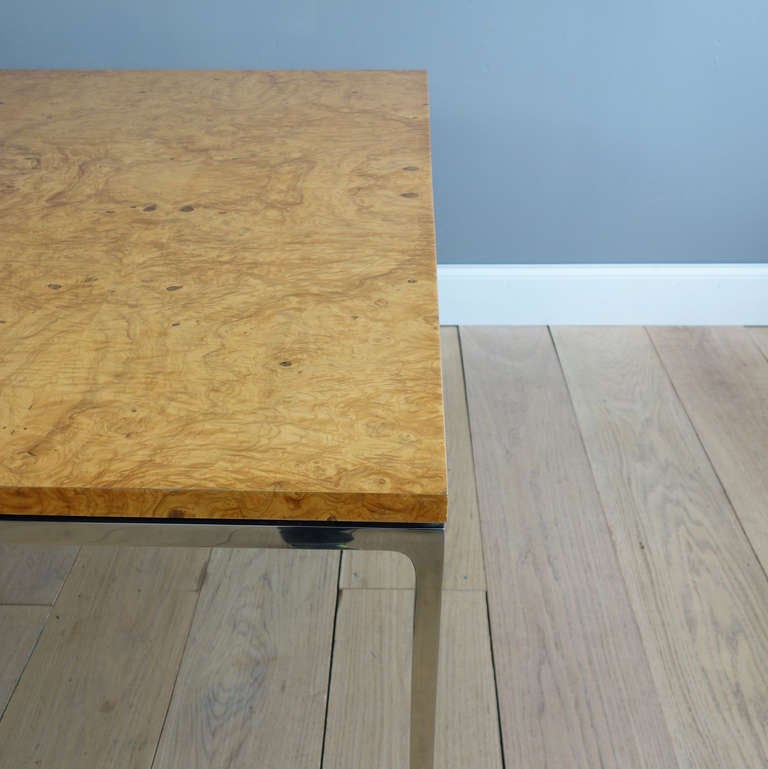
(599, 131)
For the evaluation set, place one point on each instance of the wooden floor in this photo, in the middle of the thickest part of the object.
(606, 599)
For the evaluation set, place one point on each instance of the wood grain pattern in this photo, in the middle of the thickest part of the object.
(699, 594)
(574, 685)
(722, 379)
(219, 296)
(252, 686)
(96, 689)
(369, 701)
(463, 549)
(20, 627)
(33, 574)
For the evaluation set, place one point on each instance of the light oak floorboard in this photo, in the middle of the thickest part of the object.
(33, 574)
(698, 591)
(369, 698)
(574, 685)
(721, 377)
(368, 717)
(252, 687)
(463, 550)
(20, 627)
(96, 689)
(467, 716)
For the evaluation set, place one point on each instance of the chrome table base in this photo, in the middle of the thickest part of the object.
(422, 544)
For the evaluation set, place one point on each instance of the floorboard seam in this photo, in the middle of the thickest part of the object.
(204, 575)
(50, 607)
(330, 662)
(735, 512)
(595, 484)
(69, 571)
(29, 656)
(495, 682)
(472, 453)
(638, 630)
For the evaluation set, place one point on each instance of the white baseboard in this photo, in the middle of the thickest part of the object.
(592, 294)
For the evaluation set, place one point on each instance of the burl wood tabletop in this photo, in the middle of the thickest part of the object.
(218, 296)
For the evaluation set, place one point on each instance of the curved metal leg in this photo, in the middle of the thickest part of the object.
(428, 565)
(422, 543)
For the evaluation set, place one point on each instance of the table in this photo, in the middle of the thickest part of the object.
(218, 322)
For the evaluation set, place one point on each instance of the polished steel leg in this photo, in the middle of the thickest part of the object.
(428, 565)
(423, 544)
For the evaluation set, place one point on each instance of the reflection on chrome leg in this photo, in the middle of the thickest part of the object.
(423, 544)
